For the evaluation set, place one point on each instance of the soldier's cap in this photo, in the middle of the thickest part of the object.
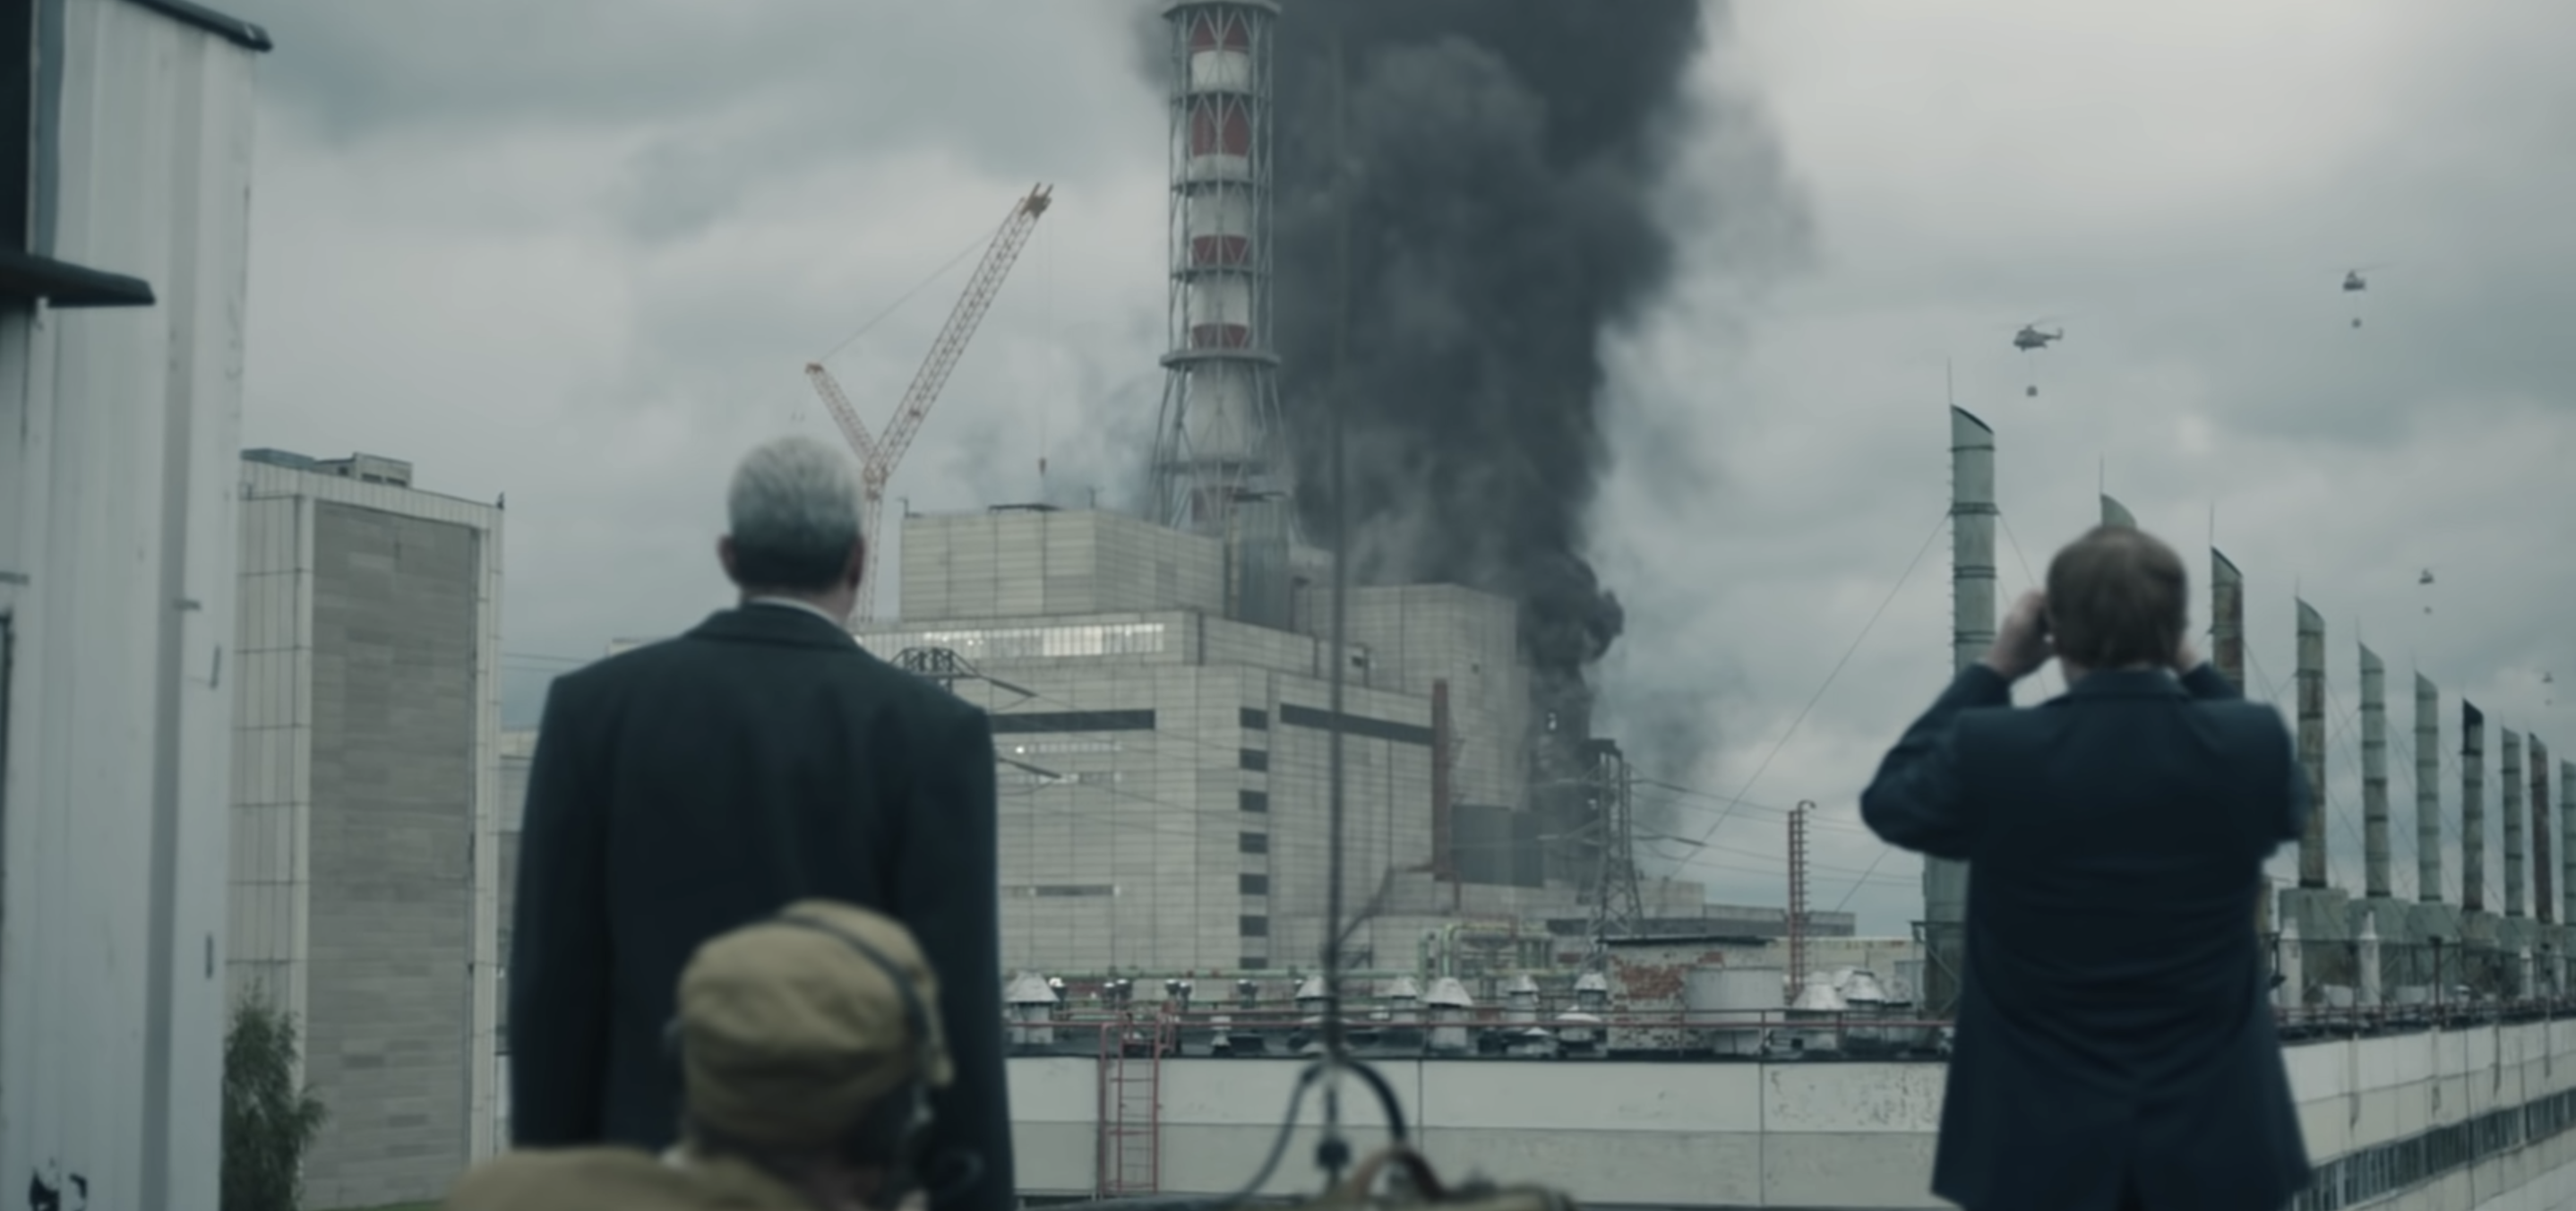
(789, 1035)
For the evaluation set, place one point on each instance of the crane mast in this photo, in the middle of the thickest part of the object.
(879, 455)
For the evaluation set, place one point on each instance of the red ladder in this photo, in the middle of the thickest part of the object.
(1131, 1107)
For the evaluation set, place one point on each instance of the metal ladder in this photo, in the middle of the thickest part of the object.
(1131, 1105)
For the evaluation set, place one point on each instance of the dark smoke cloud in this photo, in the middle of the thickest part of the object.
(1497, 172)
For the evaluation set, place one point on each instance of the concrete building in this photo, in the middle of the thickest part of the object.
(367, 809)
(1164, 767)
(125, 172)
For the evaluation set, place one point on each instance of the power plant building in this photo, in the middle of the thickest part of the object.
(1164, 768)
(366, 863)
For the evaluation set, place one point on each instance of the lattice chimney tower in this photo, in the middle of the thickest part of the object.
(1219, 464)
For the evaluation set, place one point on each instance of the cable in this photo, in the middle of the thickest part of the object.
(1829, 676)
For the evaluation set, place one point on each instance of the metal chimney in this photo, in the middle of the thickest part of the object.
(2116, 514)
(1219, 465)
(2227, 618)
(2543, 904)
(2374, 775)
(2473, 808)
(2312, 741)
(2567, 841)
(1972, 631)
(2515, 860)
(2428, 792)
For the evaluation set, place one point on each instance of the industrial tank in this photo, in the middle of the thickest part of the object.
(1729, 1008)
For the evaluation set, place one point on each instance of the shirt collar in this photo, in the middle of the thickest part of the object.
(842, 624)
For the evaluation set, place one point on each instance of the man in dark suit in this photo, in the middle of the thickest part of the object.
(686, 788)
(2115, 1046)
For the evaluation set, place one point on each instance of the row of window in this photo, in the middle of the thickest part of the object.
(1029, 643)
(2373, 1173)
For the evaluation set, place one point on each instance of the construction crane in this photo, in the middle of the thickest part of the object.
(879, 456)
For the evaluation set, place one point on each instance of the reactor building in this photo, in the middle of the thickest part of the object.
(1159, 686)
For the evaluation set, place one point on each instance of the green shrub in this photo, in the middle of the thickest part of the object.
(269, 1123)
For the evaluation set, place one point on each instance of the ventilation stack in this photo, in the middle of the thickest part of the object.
(2227, 618)
(2515, 930)
(2319, 909)
(2544, 900)
(2567, 856)
(2477, 925)
(2433, 917)
(2116, 514)
(1972, 632)
(2375, 904)
(1219, 468)
(2227, 655)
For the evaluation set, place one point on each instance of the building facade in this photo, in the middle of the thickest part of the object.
(1164, 769)
(367, 810)
(125, 173)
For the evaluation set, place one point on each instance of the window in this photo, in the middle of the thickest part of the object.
(1056, 891)
(1021, 723)
(1253, 758)
(1253, 843)
(1253, 927)
(1255, 719)
(1249, 963)
(1254, 885)
(1032, 643)
(1253, 801)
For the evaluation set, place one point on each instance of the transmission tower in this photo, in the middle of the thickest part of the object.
(1618, 908)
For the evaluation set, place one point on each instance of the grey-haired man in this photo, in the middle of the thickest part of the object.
(686, 788)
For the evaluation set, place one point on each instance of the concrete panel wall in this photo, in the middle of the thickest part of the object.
(1784, 1135)
(391, 998)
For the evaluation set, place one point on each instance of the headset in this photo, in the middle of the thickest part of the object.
(896, 1125)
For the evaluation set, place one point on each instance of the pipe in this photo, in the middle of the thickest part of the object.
(2227, 618)
(2473, 808)
(2374, 775)
(2509, 771)
(2428, 791)
(2312, 741)
(1972, 631)
(2543, 904)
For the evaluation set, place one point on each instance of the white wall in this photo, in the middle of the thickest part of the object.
(118, 433)
(1769, 1135)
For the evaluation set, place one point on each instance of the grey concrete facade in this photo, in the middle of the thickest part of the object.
(366, 823)
(1164, 769)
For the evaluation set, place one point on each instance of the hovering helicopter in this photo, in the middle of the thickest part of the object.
(2031, 338)
(2426, 578)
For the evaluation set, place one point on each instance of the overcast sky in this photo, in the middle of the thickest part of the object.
(577, 253)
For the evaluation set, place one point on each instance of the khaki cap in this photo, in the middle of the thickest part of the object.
(788, 1034)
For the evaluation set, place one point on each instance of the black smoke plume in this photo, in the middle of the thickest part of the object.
(1495, 166)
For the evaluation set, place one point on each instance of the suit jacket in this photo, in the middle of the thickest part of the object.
(2114, 1025)
(685, 788)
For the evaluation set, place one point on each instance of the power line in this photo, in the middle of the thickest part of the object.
(1836, 671)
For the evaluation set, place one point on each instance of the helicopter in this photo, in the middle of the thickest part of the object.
(2031, 338)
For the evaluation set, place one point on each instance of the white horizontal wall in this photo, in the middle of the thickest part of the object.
(1768, 1135)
